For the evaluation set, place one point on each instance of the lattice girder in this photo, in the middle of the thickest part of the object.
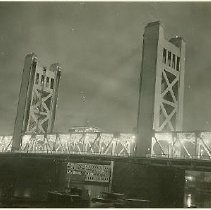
(5, 143)
(39, 111)
(80, 143)
(194, 145)
(168, 100)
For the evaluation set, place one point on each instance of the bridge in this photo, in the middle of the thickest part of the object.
(179, 149)
(148, 163)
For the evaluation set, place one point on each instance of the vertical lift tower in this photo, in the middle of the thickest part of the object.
(161, 90)
(37, 100)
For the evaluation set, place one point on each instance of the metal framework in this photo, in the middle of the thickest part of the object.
(168, 99)
(40, 109)
(75, 143)
(194, 145)
(42, 99)
(5, 143)
(37, 99)
(178, 145)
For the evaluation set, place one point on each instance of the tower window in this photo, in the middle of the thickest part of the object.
(164, 55)
(37, 78)
(42, 79)
(173, 61)
(47, 82)
(169, 58)
(52, 83)
(178, 63)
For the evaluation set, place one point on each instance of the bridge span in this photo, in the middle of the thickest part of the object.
(174, 146)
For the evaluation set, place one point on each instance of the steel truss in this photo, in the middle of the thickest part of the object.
(75, 143)
(178, 145)
(5, 143)
(41, 102)
(195, 145)
(168, 99)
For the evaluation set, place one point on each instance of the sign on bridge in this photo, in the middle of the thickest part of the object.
(87, 172)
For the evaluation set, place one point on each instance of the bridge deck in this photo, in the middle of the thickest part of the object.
(186, 164)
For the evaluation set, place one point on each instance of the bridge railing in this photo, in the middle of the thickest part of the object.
(191, 145)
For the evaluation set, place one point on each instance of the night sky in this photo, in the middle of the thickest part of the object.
(99, 46)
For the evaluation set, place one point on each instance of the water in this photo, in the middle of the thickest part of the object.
(197, 189)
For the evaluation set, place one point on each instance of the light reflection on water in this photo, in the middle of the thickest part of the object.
(189, 201)
(197, 189)
(27, 193)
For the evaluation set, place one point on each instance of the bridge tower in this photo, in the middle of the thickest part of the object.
(161, 90)
(37, 99)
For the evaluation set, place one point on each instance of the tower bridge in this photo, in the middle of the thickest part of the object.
(148, 163)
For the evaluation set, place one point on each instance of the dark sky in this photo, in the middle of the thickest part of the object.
(99, 46)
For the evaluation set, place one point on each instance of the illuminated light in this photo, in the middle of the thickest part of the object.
(133, 139)
(189, 178)
(189, 200)
(164, 136)
(182, 141)
(201, 151)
